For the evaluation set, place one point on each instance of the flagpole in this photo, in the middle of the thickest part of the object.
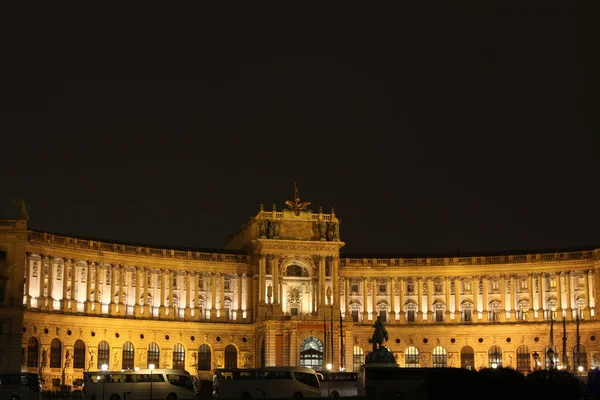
(342, 355)
(564, 339)
(325, 344)
(578, 340)
(551, 347)
(332, 344)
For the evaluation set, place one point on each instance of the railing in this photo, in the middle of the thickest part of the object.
(10, 224)
(479, 260)
(47, 238)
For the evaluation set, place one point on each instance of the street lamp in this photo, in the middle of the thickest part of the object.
(536, 359)
(329, 367)
(494, 365)
(104, 368)
(151, 366)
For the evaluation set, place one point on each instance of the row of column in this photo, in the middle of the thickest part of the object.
(141, 304)
(538, 302)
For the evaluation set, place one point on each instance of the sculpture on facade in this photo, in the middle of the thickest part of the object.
(68, 359)
(322, 230)
(23, 214)
(297, 206)
(91, 361)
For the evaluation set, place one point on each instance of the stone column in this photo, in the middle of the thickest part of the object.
(393, 298)
(222, 296)
(569, 308)
(147, 274)
(322, 280)
(420, 301)
(213, 292)
(347, 298)
(122, 277)
(73, 297)
(64, 302)
(248, 297)
(401, 310)
(113, 286)
(447, 293)
(374, 290)
(429, 299)
(503, 297)
(50, 283)
(560, 305)
(335, 282)
(197, 311)
(88, 288)
(513, 298)
(189, 280)
(27, 280)
(484, 298)
(365, 300)
(41, 300)
(239, 285)
(162, 310)
(586, 281)
(475, 290)
(275, 277)
(137, 308)
(262, 280)
(97, 299)
(172, 309)
(540, 300)
(530, 287)
(457, 310)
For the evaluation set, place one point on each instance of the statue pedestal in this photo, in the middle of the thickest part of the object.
(381, 356)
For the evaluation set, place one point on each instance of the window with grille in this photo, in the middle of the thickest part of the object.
(103, 354)
(153, 356)
(411, 357)
(55, 353)
(523, 359)
(33, 351)
(311, 353)
(79, 354)
(358, 357)
(178, 356)
(495, 356)
(230, 356)
(580, 357)
(439, 357)
(204, 358)
(127, 357)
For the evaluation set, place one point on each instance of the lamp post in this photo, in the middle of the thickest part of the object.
(329, 367)
(536, 360)
(104, 368)
(151, 366)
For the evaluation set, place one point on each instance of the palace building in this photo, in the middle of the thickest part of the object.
(280, 293)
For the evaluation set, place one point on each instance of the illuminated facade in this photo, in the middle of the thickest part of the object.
(69, 304)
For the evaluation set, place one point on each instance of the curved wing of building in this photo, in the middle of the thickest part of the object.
(280, 294)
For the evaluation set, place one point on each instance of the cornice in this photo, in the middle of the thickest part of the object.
(297, 247)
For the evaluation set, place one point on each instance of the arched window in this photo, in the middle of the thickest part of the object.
(227, 303)
(153, 356)
(79, 354)
(523, 359)
(580, 358)
(467, 358)
(178, 356)
(311, 353)
(103, 354)
(439, 357)
(127, 358)
(580, 303)
(294, 270)
(495, 311)
(552, 306)
(411, 311)
(411, 357)
(466, 309)
(358, 357)
(495, 357)
(204, 358)
(33, 352)
(438, 311)
(230, 356)
(56, 353)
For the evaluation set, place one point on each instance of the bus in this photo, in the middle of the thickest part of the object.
(338, 384)
(268, 382)
(414, 383)
(20, 386)
(157, 384)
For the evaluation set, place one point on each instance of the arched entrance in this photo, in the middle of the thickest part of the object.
(467, 358)
(311, 353)
(230, 356)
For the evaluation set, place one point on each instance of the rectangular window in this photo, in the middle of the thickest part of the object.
(439, 315)
(354, 288)
(410, 316)
(355, 315)
(382, 315)
(227, 284)
(495, 285)
(467, 315)
(552, 283)
(382, 288)
(410, 287)
(294, 310)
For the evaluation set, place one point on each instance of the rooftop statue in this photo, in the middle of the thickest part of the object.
(297, 206)
(23, 215)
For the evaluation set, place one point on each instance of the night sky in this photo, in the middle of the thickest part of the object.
(432, 129)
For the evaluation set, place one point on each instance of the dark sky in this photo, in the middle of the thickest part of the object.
(463, 125)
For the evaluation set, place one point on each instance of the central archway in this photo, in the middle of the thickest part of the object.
(311, 353)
